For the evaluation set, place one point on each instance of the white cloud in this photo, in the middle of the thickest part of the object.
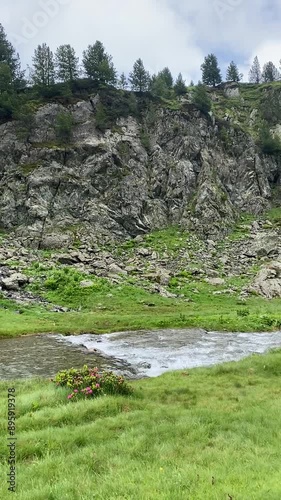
(177, 33)
(269, 51)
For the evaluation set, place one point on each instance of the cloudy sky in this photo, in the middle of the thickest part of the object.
(174, 33)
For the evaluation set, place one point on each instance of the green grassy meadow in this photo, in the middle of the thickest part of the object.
(197, 434)
(134, 309)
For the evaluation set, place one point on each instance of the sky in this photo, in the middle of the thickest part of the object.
(173, 33)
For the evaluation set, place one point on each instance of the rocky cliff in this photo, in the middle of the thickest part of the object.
(177, 167)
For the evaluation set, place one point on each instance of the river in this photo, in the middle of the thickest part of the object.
(134, 354)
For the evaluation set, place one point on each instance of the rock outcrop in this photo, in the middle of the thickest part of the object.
(268, 281)
(114, 185)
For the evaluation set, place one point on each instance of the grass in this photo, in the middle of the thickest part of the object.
(242, 228)
(131, 308)
(240, 108)
(28, 168)
(171, 239)
(274, 216)
(202, 434)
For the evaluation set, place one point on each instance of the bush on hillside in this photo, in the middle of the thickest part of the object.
(270, 106)
(8, 106)
(201, 99)
(90, 383)
(269, 144)
(64, 128)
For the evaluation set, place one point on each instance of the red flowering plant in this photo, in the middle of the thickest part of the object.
(89, 383)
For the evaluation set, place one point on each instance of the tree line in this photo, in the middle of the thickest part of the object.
(97, 64)
(64, 66)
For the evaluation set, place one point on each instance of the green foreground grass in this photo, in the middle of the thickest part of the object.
(203, 434)
(130, 308)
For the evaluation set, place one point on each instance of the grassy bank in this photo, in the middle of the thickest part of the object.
(140, 310)
(202, 434)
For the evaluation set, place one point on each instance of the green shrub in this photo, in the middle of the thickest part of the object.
(53, 91)
(102, 118)
(243, 313)
(63, 278)
(90, 383)
(267, 320)
(270, 106)
(145, 140)
(268, 143)
(201, 99)
(64, 128)
(26, 123)
(8, 105)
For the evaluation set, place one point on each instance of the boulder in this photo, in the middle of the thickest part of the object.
(215, 281)
(14, 282)
(144, 252)
(268, 281)
(115, 269)
(66, 259)
(86, 284)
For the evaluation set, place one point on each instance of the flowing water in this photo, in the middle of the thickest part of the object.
(134, 354)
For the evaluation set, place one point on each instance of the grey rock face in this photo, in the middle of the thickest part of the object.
(108, 186)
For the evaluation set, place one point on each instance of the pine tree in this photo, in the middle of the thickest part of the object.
(167, 76)
(5, 77)
(64, 128)
(123, 82)
(9, 56)
(139, 78)
(180, 86)
(211, 73)
(101, 117)
(232, 73)
(98, 64)
(255, 72)
(158, 86)
(269, 143)
(43, 73)
(26, 122)
(66, 63)
(270, 73)
(201, 98)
